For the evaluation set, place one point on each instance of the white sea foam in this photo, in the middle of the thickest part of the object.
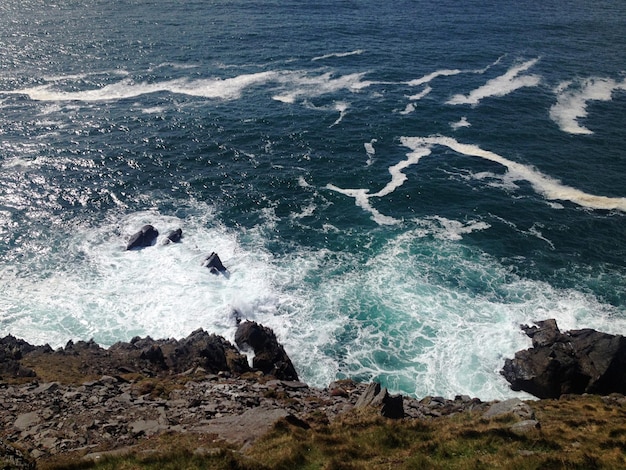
(422, 146)
(288, 86)
(546, 186)
(153, 110)
(572, 100)
(448, 73)
(161, 290)
(338, 55)
(304, 86)
(500, 86)
(423, 327)
(463, 122)
(341, 107)
(419, 326)
(362, 196)
(230, 88)
(446, 229)
(533, 231)
(421, 94)
(431, 76)
(408, 110)
(370, 151)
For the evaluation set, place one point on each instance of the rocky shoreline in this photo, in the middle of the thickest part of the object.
(90, 401)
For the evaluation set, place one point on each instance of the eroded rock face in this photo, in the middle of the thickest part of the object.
(210, 352)
(269, 355)
(391, 406)
(577, 361)
(12, 350)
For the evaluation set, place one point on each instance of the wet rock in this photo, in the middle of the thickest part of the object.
(173, 236)
(214, 264)
(578, 361)
(269, 355)
(144, 237)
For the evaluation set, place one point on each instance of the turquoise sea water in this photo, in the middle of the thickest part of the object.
(393, 187)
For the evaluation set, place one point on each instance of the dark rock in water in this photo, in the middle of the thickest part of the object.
(269, 356)
(578, 361)
(378, 397)
(145, 237)
(173, 236)
(214, 263)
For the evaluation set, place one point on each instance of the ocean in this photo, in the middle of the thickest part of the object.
(394, 188)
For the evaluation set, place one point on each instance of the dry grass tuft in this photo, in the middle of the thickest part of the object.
(581, 433)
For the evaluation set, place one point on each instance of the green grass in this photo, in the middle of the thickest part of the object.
(582, 433)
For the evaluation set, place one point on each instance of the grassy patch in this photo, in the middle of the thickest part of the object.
(582, 433)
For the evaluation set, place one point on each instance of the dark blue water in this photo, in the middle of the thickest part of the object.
(393, 187)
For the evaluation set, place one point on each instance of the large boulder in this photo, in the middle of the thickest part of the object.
(391, 406)
(577, 361)
(144, 237)
(209, 351)
(269, 356)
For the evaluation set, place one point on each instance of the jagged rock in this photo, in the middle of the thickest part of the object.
(578, 361)
(269, 356)
(12, 350)
(544, 333)
(211, 352)
(154, 354)
(214, 263)
(144, 237)
(378, 397)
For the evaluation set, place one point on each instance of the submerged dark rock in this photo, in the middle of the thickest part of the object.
(577, 361)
